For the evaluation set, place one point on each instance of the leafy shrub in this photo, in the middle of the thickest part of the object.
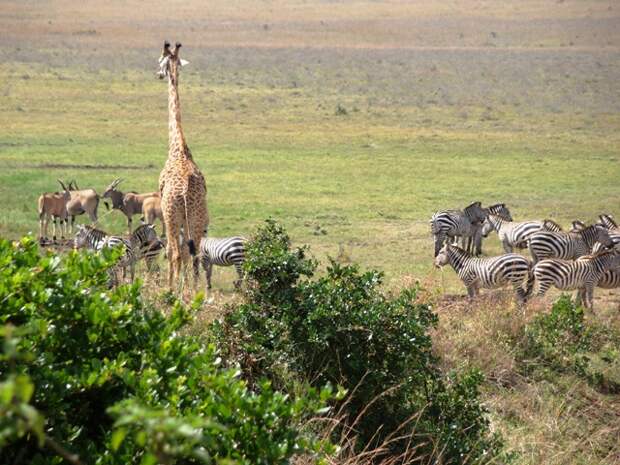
(341, 329)
(117, 382)
(562, 341)
(558, 338)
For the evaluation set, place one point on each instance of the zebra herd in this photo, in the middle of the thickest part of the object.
(144, 244)
(583, 258)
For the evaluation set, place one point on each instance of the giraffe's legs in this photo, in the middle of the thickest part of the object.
(173, 254)
(197, 230)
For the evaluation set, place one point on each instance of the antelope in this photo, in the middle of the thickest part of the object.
(130, 203)
(82, 201)
(53, 205)
(151, 210)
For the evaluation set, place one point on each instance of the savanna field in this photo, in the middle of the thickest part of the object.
(350, 123)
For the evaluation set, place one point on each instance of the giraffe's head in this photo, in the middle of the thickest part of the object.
(170, 62)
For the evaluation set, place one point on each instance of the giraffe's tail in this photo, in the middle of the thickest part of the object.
(190, 241)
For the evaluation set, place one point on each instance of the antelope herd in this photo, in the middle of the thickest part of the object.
(585, 257)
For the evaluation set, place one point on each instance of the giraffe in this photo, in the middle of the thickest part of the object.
(181, 184)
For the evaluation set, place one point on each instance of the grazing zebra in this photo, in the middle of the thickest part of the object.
(515, 233)
(96, 239)
(488, 273)
(582, 274)
(222, 252)
(147, 245)
(567, 246)
(449, 224)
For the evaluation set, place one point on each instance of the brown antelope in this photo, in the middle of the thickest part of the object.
(82, 201)
(151, 210)
(53, 205)
(130, 203)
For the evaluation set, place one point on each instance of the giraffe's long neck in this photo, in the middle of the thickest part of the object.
(176, 139)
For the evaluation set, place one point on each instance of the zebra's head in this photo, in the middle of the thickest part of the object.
(501, 210)
(607, 259)
(602, 236)
(487, 226)
(81, 237)
(607, 221)
(577, 225)
(442, 257)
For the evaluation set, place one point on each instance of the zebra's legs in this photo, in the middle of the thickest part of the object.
(239, 274)
(543, 287)
(589, 293)
(208, 272)
(507, 246)
(471, 291)
(581, 296)
(520, 293)
(196, 268)
(478, 241)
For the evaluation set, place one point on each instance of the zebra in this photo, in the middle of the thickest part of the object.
(610, 279)
(449, 224)
(96, 239)
(488, 273)
(582, 274)
(568, 246)
(475, 241)
(608, 222)
(147, 245)
(514, 234)
(222, 252)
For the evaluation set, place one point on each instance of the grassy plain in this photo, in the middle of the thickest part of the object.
(442, 103)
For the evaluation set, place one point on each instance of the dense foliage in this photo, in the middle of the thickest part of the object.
(563, 341)
(341, 329)
(101, 376)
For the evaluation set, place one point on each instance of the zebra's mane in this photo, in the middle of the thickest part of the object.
(458, 250)
(608, 221)
(589, 230)
(552, 225)
(93, 230)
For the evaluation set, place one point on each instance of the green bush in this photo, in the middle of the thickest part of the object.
(117, 382)
(563, 341)
(341, 329)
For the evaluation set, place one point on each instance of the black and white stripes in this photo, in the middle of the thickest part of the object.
(228, 251)
(487, 273)
(582, 274)
(569, 246)
(450, 224)
(96, 239)
(514, 233)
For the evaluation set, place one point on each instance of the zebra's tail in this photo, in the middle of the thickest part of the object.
(190, 241)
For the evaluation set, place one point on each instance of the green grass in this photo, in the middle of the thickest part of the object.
(366, 182)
